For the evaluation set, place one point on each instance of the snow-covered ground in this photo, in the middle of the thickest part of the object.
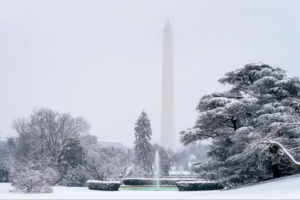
(281, 189)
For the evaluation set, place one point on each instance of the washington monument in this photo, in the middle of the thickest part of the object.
(167, 101)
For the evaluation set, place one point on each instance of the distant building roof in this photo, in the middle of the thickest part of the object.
(3, 139)
(109, 143)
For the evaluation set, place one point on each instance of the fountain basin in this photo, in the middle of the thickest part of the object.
(153, 181)
(149, 188)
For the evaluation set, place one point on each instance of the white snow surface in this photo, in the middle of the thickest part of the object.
(282, 189)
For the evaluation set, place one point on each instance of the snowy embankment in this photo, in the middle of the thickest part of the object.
(288, 188)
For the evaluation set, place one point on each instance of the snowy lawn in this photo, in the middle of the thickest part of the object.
(281, 189)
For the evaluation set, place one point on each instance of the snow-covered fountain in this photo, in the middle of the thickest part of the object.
(153, 184)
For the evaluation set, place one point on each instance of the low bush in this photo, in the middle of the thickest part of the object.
(75, 177)
(152, 181)
(30, 181)
(103, 185)
(198, 185)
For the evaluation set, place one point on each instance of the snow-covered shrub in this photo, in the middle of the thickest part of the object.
(30, 181)
(51, 175)
(138, 181)
(103, 185)
(75, 177)
(198, 185)
(171, 181)
(152, 181)
(4, 173)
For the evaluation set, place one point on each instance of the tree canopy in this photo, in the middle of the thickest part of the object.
(142, 144)
(263, 104)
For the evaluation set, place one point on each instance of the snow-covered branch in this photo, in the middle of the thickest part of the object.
(285, 151)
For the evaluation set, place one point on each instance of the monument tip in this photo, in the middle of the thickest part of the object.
(167, 25)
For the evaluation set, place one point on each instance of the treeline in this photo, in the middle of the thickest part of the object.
(59, 148)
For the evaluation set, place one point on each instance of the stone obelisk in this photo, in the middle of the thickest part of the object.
(167, 101)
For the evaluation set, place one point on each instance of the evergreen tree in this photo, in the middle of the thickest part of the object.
(4, 173)
(246, 124)
(142, 144)
(71, 155)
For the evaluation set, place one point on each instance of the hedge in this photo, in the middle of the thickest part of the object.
(152, 181)
(198, 185)
(103, 185)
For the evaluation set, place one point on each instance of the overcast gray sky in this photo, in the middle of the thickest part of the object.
(102, 59)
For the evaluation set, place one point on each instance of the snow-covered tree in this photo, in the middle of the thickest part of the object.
(30, 181)
(4, 173)
(220, 114)
(44, 133)
(71, 155)
(102, 161)
(263, 104)
(88, 140)
(127, 163)
(8, 150)
(142, 144)
(71, 161)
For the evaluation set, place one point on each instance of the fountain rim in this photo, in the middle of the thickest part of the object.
(149, 188)
(124, 186)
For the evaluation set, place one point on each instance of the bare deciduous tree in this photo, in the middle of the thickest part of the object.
(42, 136)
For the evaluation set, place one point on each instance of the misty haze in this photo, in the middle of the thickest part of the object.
(167, 95)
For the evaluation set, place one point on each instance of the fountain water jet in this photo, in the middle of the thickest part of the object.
(156, 179)
(157, 169)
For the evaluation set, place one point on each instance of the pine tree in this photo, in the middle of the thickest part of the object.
(246, 124)
(142, 144)
(71, 155)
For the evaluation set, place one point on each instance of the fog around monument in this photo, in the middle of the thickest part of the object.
(102, 59)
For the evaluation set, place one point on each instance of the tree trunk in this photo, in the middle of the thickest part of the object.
(276, 172)
(234, 122)
(275, 168)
